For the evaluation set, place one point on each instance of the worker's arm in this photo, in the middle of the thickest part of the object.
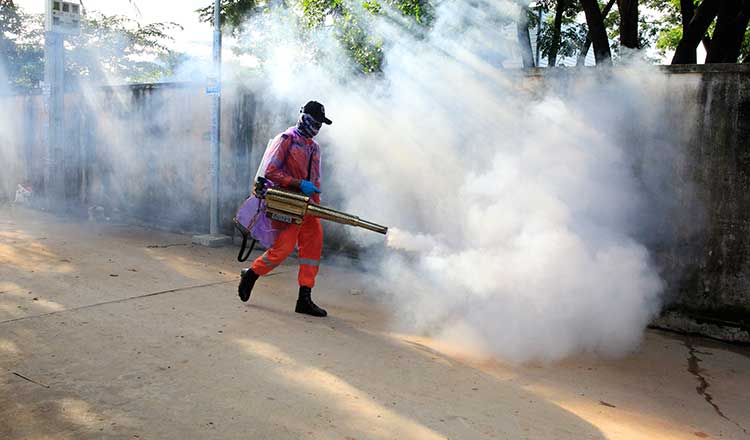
(275, 170)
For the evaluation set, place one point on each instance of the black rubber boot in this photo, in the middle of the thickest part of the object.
(247, 281)
(306, 305)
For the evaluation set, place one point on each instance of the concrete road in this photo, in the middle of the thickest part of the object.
(121, 332)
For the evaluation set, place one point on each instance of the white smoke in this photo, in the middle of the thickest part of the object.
(516, 202)
(516, 198)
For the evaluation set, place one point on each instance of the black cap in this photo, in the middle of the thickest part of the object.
(317, 111)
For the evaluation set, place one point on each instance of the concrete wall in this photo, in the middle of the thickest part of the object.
(139, 153)
(711, 264)
(142, 154)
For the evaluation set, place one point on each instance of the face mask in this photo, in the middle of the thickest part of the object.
(308, 126)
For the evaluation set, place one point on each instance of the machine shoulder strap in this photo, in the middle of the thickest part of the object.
(309, 164)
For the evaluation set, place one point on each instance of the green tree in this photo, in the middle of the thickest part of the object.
(10, 25)
(234, 12)
(347, 17)
(561, 34)
(108, 48)
(117, 48)
(675, 17)
(721, 26)
(21, 54)
(595, 21)
(587, 41)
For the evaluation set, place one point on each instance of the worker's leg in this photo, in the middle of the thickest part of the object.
(310, 243)
(281, 248)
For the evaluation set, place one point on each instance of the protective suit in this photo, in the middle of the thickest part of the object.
(291, 161)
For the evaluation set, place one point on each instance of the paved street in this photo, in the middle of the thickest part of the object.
(120, 332)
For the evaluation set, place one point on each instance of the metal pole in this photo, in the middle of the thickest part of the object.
(213, 89)
(216, 123)
(538, 34)
(54, 73)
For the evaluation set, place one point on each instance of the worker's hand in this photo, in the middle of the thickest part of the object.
(308, 187)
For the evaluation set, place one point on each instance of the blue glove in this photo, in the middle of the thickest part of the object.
(308, 187)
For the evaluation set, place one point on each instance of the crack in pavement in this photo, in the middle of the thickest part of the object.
(29, 380)
(703, 385)
(164, 246)
(115, 301)
(145, 295)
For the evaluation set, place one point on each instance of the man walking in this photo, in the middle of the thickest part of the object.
(292, 161)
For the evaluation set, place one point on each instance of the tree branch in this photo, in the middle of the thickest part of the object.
(560, 7)
(581, 61)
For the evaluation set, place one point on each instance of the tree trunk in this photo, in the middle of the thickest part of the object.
(687, 10)
(740, 30)
(587, 44)
(628, 23)
(697, 28)
(557, 27)
(524, 39)
(730, 30)
(597, 31)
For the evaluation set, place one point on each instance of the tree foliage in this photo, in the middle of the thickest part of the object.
(115, 47)
(347, 18)
(118, 48)
(570, 36)
(668, 29)
(22, 55)
(233, 12)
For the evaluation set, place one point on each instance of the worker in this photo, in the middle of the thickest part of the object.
(292, 161)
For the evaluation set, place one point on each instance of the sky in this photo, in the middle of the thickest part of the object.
(194, 39)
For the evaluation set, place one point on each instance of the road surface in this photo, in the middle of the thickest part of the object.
(118, 332)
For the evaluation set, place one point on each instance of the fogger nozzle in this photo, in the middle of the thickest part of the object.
(293, 206)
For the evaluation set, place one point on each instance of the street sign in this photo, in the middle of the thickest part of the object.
(213, 87)
(63, 16)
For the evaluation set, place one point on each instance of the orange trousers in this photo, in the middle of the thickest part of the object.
(308, 237)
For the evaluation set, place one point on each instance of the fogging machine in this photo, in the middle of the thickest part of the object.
(287, 207)
(292, 207)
